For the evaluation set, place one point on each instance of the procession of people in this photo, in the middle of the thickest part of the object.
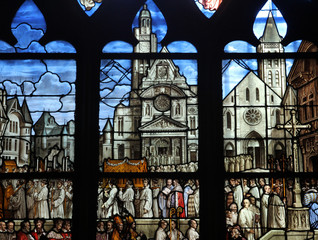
(37, 199)
(150, 201)
(255, 207)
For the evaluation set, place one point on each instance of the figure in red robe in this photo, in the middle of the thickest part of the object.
(24, 233)
(38, 233)
(66, 230)
(175, 199)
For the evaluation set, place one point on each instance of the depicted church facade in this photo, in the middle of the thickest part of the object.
(160, 123)
(15, 129)
(253, 109)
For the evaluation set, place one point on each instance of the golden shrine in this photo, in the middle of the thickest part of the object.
(126, 165)
(9, 166)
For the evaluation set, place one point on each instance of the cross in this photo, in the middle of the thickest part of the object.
(294, 127)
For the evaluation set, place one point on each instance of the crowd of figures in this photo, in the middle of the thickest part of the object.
(36, 199)
(188, 167)
(118, 229)
(60, 231)
(255, 207)
(154, 200)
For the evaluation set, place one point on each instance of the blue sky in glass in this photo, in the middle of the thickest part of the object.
(118, 47)
(28, 26)
(92, 10)
(206, 12)
(39, 82)
(261, 18)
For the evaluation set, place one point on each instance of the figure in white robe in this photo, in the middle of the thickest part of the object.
(246, 220)
(163, 196)
(111, 205)
(100, 202)
(57, 201)
(128, 198)
(146, 201)
(192, 233)
(264, 208)
(42, 208)
(238, 194)
(161, 233)
(255, 192)
(174, 233)
(276, 217)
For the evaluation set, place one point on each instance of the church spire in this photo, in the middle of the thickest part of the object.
(271, 33)
(272, 71)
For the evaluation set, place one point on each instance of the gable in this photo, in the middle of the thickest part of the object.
(163, 124)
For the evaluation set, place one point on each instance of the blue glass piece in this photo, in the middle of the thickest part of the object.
(234, 71)
(159, 25)
(118, 47)
(239, 47)
(34, 47)
(59, 47)
(6, 48)
(181, 47)
(91, 10)
(189, 69)
(31, 14)
(293, 46)
(208, 13)
(261, 18)
(25, 34)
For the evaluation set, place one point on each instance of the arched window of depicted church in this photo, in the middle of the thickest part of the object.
(277, 113)
(257, 94)
(247, 94)
(277, 78)
(270, 77)
(228, 120)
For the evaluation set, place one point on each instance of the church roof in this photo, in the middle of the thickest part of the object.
(26, 112)
(271, 33)
(163, 124)
(247, 77)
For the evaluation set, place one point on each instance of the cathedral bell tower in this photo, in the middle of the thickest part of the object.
(272, 71)
(147, 43)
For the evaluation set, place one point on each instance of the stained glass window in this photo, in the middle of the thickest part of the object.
(181, 105)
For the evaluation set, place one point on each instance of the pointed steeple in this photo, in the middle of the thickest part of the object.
(271, 33)
(108, 126)
(26, 112)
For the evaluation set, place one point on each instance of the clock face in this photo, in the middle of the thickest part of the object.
(252, 116)
(162, 103)
(162, 71)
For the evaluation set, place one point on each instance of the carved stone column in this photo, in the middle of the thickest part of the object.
(298, 219)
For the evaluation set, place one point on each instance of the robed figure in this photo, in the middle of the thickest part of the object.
(162, 198)
(311, 201)
(276, 217)
(175, 198)
(17, 201)
(41, 197)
